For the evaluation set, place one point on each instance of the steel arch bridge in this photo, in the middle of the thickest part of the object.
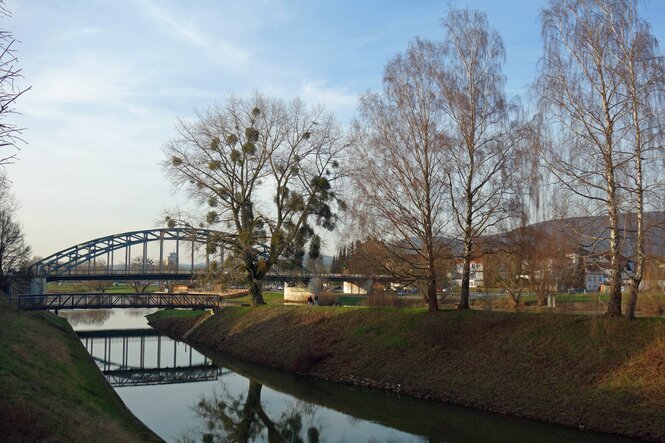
(80, 262)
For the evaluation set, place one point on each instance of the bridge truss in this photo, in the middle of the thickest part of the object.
(149, 363)
(96, 258)
(46, 302)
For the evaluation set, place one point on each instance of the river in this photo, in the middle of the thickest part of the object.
(184, 395)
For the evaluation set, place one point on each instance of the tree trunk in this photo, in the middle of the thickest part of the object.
(638, 274)
(255, 292)
(636, 278)
(432, 302)
(249, 410)
(632, 301)
(614, 302)
(466, 272)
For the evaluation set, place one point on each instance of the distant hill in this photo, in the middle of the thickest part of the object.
(593, 232)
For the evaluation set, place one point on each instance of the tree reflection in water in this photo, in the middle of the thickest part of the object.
(243, 419)
(94, 317)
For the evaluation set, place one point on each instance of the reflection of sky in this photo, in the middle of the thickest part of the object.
(334, 426)
(171, 353)
(167, 410)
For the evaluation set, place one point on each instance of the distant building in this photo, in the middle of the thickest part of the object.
(476, 275)
(597, 269)
(172, 264)
(594, 279)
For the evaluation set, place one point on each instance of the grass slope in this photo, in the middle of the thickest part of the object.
(581, 371)
(50, 388)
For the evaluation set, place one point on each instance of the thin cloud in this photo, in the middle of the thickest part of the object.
(187, 28)
(342, 102)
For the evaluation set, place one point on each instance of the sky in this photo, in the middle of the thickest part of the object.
(110, 78)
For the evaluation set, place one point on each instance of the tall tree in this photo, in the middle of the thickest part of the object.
(480, 134)
(265, 170)
(399, 181)
(10, 91)
(583, 94)
(642, 70)
(14, 252)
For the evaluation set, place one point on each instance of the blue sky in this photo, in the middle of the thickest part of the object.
(110, 77)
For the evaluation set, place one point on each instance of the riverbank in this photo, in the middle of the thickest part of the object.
(585, 372)
(51, 390)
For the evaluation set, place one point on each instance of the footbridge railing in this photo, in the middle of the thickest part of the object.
(45, 302)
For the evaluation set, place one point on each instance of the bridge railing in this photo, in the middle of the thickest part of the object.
(98, 271)
(163, 376)
(124, 300)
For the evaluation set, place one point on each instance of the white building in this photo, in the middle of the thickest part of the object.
(476, 276)
(593, 280)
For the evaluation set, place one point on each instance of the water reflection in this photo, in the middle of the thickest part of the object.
(92, 317)
(174, 388)
(106, 318)
(352, 414)
(143, 357)
(243, 418)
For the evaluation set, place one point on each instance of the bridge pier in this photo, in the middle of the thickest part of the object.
(37, 285)
(355, 288)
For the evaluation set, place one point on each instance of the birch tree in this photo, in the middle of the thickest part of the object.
(263, 173)
(480, 135)
(583, 94)
(642, 71)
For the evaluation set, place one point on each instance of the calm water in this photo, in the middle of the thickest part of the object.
(186, 396)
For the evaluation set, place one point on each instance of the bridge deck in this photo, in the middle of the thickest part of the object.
(163, 376)
(125, 300)
(118, 333)
(95, 275)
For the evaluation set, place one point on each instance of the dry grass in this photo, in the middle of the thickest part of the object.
(643, 375)
(650, 304)
(327, 298)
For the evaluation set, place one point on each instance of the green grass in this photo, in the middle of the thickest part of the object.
(175, 313)
(351, 300)
(51, 388)
(271, 298)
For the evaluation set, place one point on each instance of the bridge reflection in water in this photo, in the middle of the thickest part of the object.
(143, 357)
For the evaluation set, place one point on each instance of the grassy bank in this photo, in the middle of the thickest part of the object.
(51, 389)
(586, 372)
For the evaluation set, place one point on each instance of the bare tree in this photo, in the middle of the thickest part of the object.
(99, 285)
(583, 94)
(399, 182)
(14, 252)
(10, 91)
(642, 71)
(139, 265)
(265, 172)
(481, 141)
